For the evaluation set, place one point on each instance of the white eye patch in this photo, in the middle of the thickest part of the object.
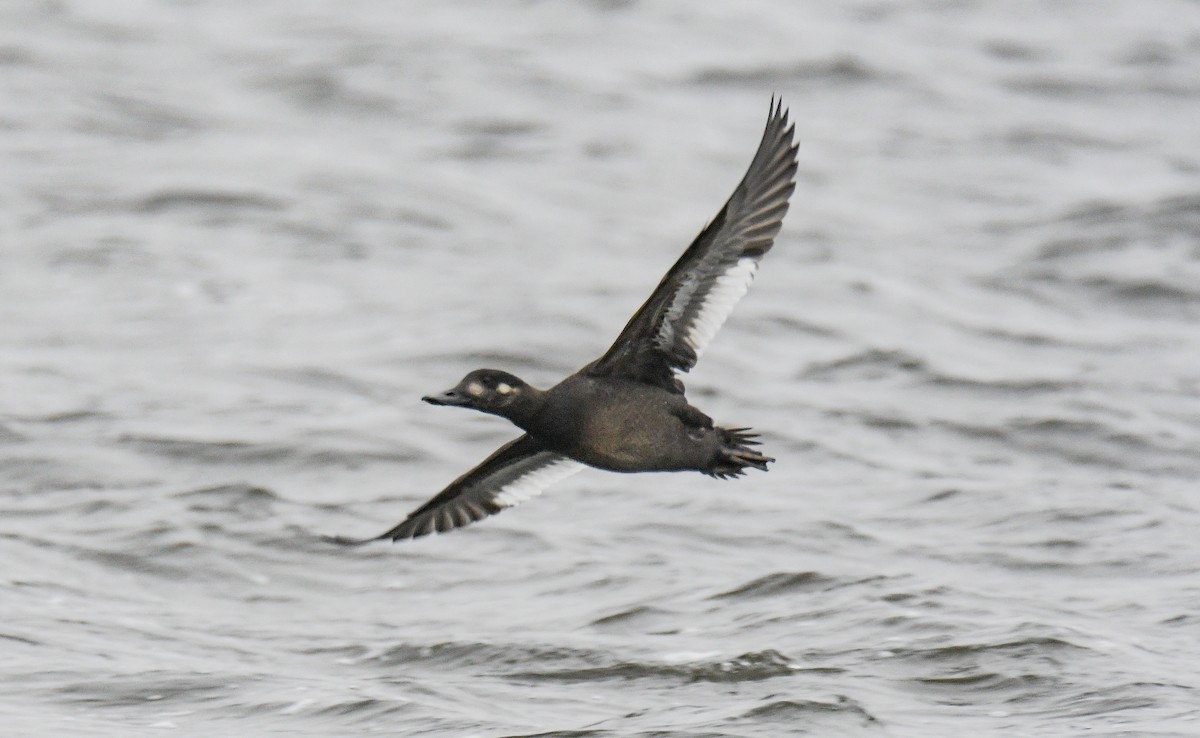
(474, 389)
(503, 388)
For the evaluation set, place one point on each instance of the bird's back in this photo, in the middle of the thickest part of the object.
(621, 425)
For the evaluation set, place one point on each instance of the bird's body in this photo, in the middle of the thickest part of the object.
(624, 426)
(626, 411)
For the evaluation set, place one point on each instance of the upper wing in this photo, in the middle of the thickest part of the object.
(668, 333)
(517, 471)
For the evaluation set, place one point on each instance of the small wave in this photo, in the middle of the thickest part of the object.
(329, 380)
(839, 70)
(325, 88)
(67, 416)
(44, 473)
(360, 709)
(189, 199)
(749, 667)
(1116, 699)
(1082, 440)
(562, 664)
(1031, 336)
(138, 117)
(1054, 142)
(780, 583)
(7, 435)
(1019, 648)
(1004, 386)
(1102, 226)
(139, 689)
(1059, 87)
(1091, 441)
(636, 617)
(871, 364)
(210, 452)
(1009, 50)
(15, 56)
(984, 682)
(1142, 290)
(589, 734)
(806, 710)
(775, 324)
(1189, 620)
(1178, 214)
(242, 499)
(483, 654)
(1096, 87)
(20, 639)
(153, 562)
(875, 365)
(1138, 256)
(493, 138)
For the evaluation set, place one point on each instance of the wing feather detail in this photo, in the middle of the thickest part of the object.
(671, 330)
(516, 472)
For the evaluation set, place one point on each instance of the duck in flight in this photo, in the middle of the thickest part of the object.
(626, 411)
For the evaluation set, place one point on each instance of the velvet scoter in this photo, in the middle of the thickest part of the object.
(626, 411)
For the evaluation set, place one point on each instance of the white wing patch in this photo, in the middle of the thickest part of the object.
(534, 482)
(715, 305)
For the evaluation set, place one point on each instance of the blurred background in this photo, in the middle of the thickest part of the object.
(239, 241)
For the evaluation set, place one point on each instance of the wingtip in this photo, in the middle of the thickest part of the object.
(777, 120)
(776, 109)
(345, 542)
(392, 535)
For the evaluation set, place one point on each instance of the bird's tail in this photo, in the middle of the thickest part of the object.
(736, 454)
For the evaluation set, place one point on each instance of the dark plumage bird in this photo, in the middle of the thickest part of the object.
(626, 411)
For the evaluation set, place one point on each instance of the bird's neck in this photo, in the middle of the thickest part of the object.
(524, 409)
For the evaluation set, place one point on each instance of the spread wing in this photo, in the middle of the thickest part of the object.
(669, 332)
(518, 470)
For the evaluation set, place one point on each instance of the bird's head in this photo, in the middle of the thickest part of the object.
(487, 390)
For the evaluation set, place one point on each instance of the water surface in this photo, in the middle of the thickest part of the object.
(240, 241)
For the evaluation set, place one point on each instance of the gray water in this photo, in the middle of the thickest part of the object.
(240, 240)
